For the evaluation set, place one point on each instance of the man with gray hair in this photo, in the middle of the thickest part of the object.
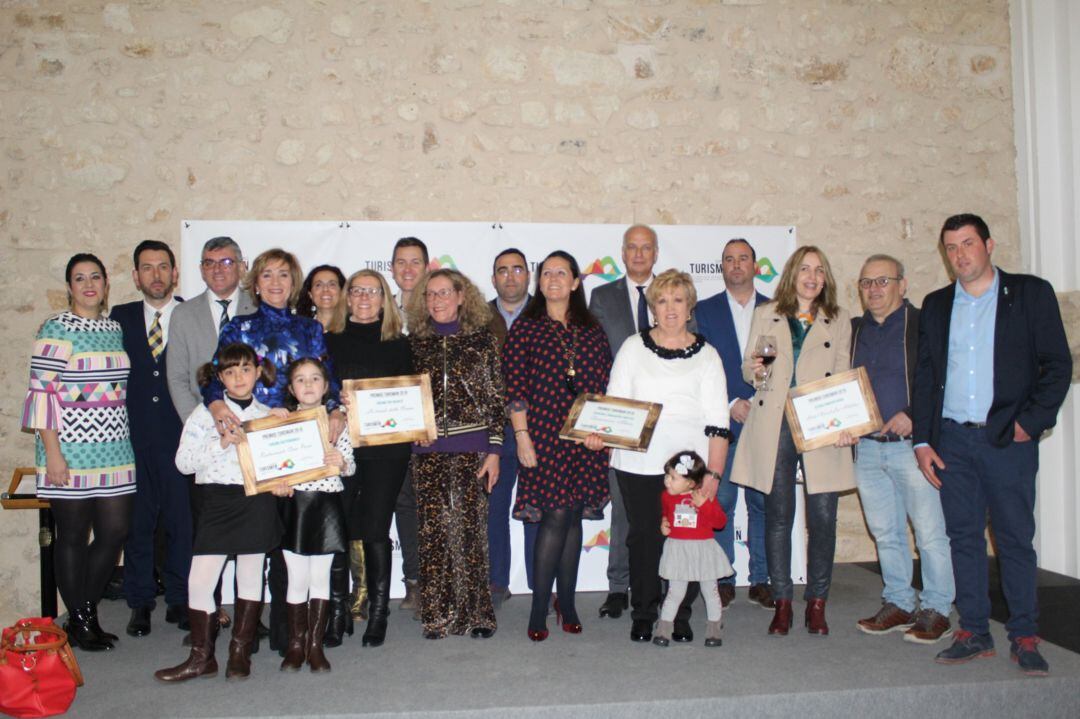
(193, 337)
(884, 340)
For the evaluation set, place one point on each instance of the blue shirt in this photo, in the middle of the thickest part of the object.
(969, 379)
(880, 349)
(509, 317)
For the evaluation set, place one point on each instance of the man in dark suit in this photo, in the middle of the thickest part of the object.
(724, 320)
(622, 311)
(994, 367)
(161, 492)
(510, 277)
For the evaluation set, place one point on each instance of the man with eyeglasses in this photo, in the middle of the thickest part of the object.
(510, 277)
(193, 336)
(884, 340)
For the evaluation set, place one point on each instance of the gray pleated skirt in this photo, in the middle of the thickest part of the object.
(694, 560)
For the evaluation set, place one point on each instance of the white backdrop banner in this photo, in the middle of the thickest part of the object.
(471, 247)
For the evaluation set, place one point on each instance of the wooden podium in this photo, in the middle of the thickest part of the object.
(22, 494)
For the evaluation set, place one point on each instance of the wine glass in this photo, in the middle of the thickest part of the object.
(765, 348)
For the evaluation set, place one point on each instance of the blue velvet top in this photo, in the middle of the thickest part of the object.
(281, 337)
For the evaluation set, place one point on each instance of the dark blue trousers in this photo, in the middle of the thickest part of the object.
(499, 505)
(162, 496)
(980, 478)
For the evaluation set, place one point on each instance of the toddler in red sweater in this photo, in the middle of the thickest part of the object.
(691, 554)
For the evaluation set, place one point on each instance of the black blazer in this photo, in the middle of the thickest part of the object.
(911, 346)
(155, 425)
(1032, 363)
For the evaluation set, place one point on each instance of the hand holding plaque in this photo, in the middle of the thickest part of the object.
(818, 412)
(388, 410)
(280, 452)
(621, 423)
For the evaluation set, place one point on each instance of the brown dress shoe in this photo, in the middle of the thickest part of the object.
(782, 619)
(727, 594)
(929, 627)
(761, 595)
(815, 617)
(890, 618)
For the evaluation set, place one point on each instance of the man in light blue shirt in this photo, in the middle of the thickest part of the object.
(969, 385)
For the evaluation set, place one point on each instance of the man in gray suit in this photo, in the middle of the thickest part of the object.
(193, 333)
(622, 311)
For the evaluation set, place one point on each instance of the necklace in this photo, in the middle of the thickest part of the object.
(569, 351)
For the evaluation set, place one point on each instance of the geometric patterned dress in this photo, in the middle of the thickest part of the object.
(78, 386)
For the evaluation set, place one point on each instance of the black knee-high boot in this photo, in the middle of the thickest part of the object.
(377, 565)
(340, 621)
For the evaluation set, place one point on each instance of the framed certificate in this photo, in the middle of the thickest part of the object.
(278, 452)
(818, 411)
(623, 423)
(22, 492)
(386, 410)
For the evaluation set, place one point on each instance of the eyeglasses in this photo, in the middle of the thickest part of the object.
(516, 270)
(443, 294)
(362, 291)
(866, 282)
(225, 263)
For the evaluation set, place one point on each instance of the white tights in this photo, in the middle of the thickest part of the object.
(206, 570)
(677, 590)
(309, 576)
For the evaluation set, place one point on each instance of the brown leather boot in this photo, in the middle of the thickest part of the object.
(245, 622)
(317, 617)
(782, 618)
(296, 652)
(815, 617)
(201, 661)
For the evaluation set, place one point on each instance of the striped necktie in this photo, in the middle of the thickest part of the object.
(224, 312)
(155, 337)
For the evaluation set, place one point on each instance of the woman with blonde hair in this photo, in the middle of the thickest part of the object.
(451, 342)
(811, 335)
(277, 334)
(675, 367)
(370, 344)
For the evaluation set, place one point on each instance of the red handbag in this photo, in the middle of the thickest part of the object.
(38, 671)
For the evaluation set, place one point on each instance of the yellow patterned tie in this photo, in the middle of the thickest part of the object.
(155, 338)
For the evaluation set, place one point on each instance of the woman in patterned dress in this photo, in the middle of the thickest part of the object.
(451, 342)
(281, 336)
(555, 351)
(85, 464)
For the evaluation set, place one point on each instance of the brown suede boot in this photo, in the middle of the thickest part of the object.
(317, 616)
(245, 622)
(201, 661)
(296, 652)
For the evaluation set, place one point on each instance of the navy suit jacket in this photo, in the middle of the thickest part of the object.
(155, 425)
(1032, 362)
(715, 322)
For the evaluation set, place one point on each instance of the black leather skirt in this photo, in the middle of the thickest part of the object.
(314, 523)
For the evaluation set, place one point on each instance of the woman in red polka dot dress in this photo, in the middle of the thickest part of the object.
(555, 351)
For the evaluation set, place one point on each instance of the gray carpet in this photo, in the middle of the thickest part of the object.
(599, 673)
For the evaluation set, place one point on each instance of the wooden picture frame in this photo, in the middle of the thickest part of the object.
(597, 406)
(417, 388)
(832, 401)
(16, 496)
(249, 464)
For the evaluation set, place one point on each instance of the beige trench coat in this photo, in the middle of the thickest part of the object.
(824, 352)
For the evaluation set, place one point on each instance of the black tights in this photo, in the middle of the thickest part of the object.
(83, 567)
(555, 557)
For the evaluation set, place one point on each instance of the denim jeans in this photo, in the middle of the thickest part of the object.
(979, 477)
(499, 512)
(892, 490)
(780, 518)
(727, 496)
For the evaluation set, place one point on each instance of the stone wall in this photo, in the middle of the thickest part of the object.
(863, 122)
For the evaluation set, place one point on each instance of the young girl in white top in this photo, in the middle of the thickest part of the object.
(314, 528)
(227, 522)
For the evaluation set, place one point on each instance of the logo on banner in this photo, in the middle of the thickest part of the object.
(765, 270)
(601, 540)
(606, 269)
(443, 262)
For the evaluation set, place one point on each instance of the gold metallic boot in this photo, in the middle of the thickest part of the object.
(358, 598)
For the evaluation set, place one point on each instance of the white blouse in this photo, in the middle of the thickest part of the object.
(692, 390)
(200, 451)
(334, 484)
